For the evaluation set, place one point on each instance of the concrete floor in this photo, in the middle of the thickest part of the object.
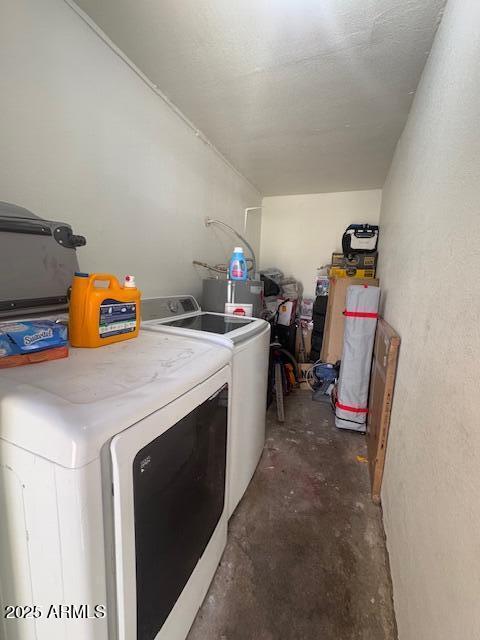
(306, 557)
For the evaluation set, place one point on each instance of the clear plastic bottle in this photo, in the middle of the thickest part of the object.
(238, 265)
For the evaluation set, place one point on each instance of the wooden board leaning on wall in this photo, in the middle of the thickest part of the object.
(382, 383)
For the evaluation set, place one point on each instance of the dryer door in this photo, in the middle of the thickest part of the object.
(169, 494)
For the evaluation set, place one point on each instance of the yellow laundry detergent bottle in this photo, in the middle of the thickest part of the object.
(102, 311)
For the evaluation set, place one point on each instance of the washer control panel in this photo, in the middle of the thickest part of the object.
(168, 307)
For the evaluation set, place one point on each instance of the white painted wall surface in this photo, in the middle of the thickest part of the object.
(84, 139)
(303, 96)
(429, 269)
(300, 233)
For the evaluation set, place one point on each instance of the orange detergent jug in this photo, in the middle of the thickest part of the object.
(102, 311)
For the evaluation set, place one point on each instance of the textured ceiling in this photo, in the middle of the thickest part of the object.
(301, 96)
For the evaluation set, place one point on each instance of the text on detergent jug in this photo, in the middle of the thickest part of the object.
(117, 317)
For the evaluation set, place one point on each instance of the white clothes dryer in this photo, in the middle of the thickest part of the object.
(113, 467)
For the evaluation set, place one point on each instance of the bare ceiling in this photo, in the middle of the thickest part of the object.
(302, 96)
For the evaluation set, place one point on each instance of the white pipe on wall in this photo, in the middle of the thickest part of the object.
(247, 210)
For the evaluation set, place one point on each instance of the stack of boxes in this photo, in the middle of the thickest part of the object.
(323, 339)
(356, 265)
(356, 268)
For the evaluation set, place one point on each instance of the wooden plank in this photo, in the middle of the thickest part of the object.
(382, 383)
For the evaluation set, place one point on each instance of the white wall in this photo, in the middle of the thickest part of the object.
(84, 139)
(429, 269)
(300, 233)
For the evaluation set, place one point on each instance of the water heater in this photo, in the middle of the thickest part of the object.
(217, 292)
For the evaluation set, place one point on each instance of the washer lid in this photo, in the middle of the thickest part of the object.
(182, 314)
(210, 322)
(65, 410)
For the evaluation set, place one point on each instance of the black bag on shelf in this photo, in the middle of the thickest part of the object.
(360, 238)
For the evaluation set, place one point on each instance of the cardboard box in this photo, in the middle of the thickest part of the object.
(34, 357)
(332, 345)
(357, 260)
(351, 272)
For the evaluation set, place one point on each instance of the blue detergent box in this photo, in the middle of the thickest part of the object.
(29, 336)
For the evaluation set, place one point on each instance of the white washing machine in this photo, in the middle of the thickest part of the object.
(113, 467)
(250, 337)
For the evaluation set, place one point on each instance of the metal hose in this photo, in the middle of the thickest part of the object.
(210, 221)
